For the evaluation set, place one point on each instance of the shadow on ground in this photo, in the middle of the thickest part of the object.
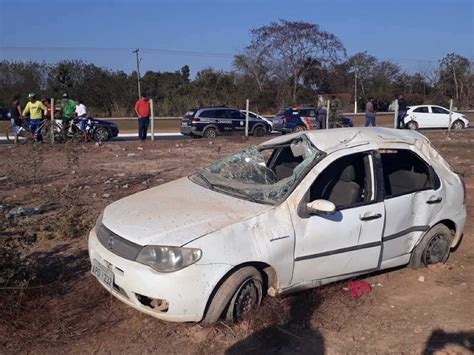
(294, 337)
(440, 339)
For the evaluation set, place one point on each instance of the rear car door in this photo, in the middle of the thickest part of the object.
(413, 196)
(439, 117)
(308, 116)
(237, 118)
(422, 116)
(350, 240)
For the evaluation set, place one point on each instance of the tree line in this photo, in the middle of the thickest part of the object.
(285, 63)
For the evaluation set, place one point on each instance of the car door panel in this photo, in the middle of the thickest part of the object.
(409, 216)
(329, 246)
(346, 242)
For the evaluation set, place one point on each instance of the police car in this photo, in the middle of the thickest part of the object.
(210, 122)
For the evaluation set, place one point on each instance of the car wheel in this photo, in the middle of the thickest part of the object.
(101, 134)
(458, 125)
(237, 296)
(298, 129)
(210, 133)
(434, 247)
(412, 125)
(259, 131)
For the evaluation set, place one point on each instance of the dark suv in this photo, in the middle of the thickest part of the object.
(210, 122)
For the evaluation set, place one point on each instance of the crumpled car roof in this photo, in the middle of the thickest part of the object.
(335, 139)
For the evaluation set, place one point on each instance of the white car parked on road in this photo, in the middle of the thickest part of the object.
(295, 212)
(257, 116)
(431, 116)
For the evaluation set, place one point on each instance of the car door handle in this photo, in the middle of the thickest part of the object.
(432, 201)
(370, 217)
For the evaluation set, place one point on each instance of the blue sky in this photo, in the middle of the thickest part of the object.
(206, 33)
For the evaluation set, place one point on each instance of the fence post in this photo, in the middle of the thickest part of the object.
(52, 120)
(328, 107)
(395, 118)
(152, 126)
(247, 118)
(450, 115)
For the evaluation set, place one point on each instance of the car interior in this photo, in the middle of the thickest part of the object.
(404, 173)
(284, 160)
(343, 182)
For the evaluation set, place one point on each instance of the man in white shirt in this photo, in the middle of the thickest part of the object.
(81, 112)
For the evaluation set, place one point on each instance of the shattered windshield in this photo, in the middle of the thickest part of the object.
(262, 174)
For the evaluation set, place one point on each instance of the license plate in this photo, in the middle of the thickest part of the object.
(103, 274)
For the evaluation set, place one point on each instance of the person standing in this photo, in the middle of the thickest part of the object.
(16, 116)
(37, 110)
(81, 113)
(142, 109)
(369, 113)
(402, 111)
(334, 107)
(68, 109)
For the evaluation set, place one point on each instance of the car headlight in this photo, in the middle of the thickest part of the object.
(168, 259)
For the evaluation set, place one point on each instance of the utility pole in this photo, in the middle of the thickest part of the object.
(355, 91)
(138, 71)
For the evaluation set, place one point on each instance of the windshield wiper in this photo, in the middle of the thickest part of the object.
(238, 191)
(206, 181)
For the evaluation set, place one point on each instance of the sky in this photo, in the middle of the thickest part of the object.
(207, 33)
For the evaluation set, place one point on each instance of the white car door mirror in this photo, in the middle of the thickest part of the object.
(321, 207)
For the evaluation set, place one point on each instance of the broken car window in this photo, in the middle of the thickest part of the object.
(263, 174)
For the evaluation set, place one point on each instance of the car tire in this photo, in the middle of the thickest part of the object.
(457, 125)
(259, 131)
(434, 248)
(210, 133)
(413, 125)
(298, 128)
(101, 134)
(236, 296)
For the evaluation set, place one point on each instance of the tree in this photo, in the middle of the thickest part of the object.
(289, 50)
(455, 76)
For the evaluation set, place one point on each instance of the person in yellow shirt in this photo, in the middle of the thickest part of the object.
(36, 110)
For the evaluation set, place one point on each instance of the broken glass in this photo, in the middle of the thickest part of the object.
(262, 174)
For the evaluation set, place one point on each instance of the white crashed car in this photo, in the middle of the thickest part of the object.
(431, 116)
(295, 212)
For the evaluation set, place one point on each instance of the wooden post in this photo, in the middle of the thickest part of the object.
(395, 119)
(52, 120)
(328, 107)
(247, 118)
(450, 115)
(152, 118)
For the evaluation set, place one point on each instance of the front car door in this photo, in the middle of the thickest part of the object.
(422, 116)
(348, 241)
(413, 196)
(439, 117)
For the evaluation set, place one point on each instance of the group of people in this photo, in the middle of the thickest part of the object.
(36, 111)
(402, 110)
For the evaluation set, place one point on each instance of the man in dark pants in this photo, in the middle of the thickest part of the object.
(142, 109)
(369, 113)
(402, 110)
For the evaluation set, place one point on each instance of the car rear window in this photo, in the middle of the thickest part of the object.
(283, 112)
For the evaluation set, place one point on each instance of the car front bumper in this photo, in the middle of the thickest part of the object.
(186, 291)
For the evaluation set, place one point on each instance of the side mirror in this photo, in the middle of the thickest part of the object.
(321, 207)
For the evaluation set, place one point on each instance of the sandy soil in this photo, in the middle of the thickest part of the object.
(59, 307)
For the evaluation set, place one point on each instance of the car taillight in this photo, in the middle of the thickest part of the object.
(195, 119)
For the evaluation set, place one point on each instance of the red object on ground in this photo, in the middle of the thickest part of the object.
(359, 288)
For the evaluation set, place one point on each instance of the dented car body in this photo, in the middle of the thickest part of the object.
(295, 212)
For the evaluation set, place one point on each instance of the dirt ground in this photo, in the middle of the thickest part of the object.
(49, 302)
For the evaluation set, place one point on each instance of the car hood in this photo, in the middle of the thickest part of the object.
(175, 213)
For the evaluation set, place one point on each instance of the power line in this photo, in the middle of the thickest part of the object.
(127, 50)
